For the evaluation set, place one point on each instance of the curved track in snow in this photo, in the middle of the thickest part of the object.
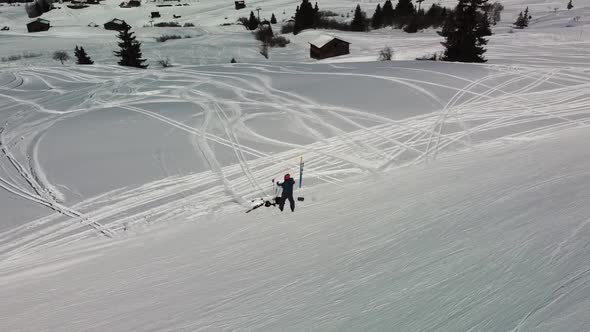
(239, 109)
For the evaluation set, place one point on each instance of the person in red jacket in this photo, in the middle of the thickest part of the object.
(287, 194)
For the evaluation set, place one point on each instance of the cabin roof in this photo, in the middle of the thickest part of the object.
(322, 40)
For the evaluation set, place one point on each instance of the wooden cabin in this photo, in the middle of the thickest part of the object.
(240, 4)
(114, 24)
(38, 25)
(328, 46)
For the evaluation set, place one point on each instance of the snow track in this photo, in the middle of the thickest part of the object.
(237, 108)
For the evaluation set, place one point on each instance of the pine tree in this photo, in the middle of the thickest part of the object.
(81, 57)
(419, 3)
(252, 21)
(483, 26)
(449, 24)
(388, 13)
(570, 5)
(404, 10)
(273, 19)
(359, 22)
(464, 42)
(130, 49)
(45, 5)
(434, 15)
(522, 21)
(305, 17)
(377, 20)
(413, 25)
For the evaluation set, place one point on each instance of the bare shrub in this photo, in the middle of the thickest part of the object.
(264, 34)
(244, 21)
(386, 54)
(437, 56)
(28, 55)
(267, 37)
(36, 8)
(264, 50)
(327, 13)
(165, 63)
(12, 58)
(332, 24)
(189, 25)
(164, 38)
(167, 24)
(279, 41)
(61, 56)
(288, 28)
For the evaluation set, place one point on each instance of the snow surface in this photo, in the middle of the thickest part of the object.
(438, 196)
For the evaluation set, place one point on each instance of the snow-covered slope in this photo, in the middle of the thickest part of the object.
(495, 239)
(438, 196)
(109, 149)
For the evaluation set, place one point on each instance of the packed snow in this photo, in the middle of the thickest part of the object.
(438, 196)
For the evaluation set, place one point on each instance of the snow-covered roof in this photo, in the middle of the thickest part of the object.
(117, 21)
(322, 40)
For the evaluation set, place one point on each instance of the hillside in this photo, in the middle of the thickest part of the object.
(438, 196)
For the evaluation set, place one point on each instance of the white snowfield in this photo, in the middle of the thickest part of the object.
(438, 196)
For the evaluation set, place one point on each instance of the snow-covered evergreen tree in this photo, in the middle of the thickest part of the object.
(464, 41)
(377, 19)
(130, 49)
(359, 22)
(81, 57)
(388, 13)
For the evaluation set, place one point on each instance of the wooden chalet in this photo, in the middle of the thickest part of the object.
(38, 25)
(328, 46)
(114, 24)
(240, 4)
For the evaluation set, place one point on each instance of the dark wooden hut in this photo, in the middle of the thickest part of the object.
(328, 46)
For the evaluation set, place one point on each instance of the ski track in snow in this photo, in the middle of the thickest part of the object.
(488, 110)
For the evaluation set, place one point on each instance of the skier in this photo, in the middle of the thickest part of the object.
(287, 193)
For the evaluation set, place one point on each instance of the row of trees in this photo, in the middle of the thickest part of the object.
(464, 27)
(403, 16)
(81, 57)
(406, 16)
(252, 23)
(129, 51)
(522, 21)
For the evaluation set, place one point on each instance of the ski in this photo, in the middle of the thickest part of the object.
(300, 172)
(301, 198)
